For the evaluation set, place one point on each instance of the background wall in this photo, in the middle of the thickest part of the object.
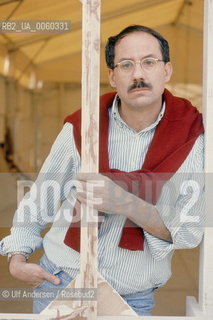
(31, 119)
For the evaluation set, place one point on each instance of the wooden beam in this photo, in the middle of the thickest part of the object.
(205, 304)
(90, 144)
(206, 257)
(12, 316)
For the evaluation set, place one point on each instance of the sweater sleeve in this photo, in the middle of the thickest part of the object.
(39, 206)
(182, 206)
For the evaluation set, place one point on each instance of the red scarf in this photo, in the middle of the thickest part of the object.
(173, 139)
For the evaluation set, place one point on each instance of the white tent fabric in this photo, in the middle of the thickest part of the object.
(57, 56)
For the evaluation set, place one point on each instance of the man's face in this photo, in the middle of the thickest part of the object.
(136, 46)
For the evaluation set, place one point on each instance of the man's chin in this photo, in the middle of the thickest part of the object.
(140, 102)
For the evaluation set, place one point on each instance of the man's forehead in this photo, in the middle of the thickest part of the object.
(144, 36)
(134, 40)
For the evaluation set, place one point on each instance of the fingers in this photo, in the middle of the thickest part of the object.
(50, 277)
(89, 199)
(90, 192)
(30, 273)
(100, 193)
(84, 183)
(46, 277)
(90, 176)
(39, 275)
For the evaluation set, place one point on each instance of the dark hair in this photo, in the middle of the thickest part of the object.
(112, 41)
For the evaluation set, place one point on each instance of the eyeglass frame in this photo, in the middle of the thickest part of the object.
(138, 61)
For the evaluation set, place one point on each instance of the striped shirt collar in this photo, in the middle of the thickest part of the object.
(121, 123)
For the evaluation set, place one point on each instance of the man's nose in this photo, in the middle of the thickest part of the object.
(138, 72)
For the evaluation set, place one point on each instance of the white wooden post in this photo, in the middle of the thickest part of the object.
(19, 316)
(90, 144)
(206, 258)
(205, 305)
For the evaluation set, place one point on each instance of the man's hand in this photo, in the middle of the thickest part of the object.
(101, 193)
(30, 273)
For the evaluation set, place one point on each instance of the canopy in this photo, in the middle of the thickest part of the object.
(57, 56)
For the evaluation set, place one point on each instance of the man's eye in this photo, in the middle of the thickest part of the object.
(149, 62)
(127, 65)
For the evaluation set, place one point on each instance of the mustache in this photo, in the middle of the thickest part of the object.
(140, 84)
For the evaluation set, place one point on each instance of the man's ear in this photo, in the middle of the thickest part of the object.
(111, 76)
(168, 71)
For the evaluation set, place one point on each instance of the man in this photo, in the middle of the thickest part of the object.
(148, 137)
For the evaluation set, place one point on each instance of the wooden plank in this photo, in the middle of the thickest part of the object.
(90, 145)
(109, 302)
(11, 316)
(206, 256)
(205, 303)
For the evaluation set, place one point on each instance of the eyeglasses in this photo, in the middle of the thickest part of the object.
(128, 66)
